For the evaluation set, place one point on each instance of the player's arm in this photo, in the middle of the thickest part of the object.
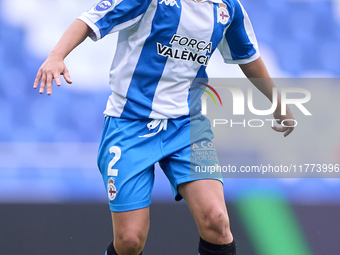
(257, 73)
(54, 65)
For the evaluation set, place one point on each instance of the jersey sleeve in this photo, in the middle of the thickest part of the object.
(109, 16)
(239, 44)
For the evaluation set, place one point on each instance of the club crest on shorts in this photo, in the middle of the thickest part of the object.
(104, 5)
(222, 14)
(111, 189)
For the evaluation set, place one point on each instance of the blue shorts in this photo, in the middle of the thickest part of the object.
(126, 157)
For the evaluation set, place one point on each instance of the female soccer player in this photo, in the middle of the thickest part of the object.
(153, 114)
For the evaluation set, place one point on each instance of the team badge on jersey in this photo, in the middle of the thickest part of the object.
(222, 14)
(104, 5)
(111, 189)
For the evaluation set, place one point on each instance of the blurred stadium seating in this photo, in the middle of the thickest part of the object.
(303, 35)
(48, 144)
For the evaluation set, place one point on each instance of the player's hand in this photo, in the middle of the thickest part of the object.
(288, 121)
(51, 70)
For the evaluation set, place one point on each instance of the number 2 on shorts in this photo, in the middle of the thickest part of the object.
(117, 151)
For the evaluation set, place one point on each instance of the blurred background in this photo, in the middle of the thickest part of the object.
(52, 199)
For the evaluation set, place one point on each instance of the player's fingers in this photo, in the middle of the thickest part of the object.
(67, 76)
(279, 129)
(286, 130)
(43, 83)
(289, 125)
(56, 77)
(37, 79)
(289, 130)
(49, 84)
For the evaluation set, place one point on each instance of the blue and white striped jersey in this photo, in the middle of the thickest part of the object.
(163, 45)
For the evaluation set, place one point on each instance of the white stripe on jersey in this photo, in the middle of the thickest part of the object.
(176, 71)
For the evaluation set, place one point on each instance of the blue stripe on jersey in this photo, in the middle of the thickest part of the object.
(237, 38)
(124, 11)
(150, 65)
